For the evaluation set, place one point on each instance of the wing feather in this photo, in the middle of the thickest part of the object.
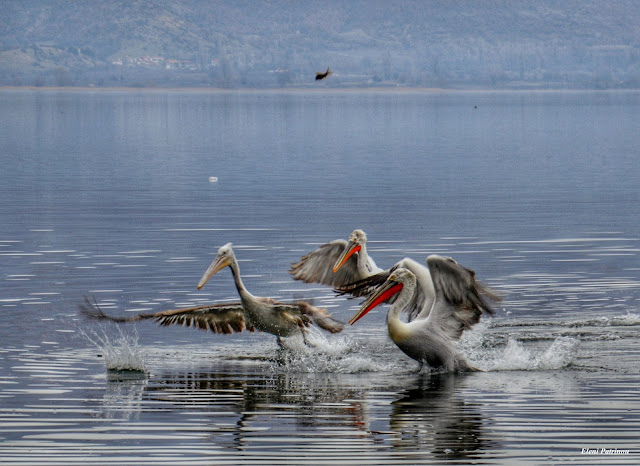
(320, 317)
(317, 266)
(365, 287)
(304, 315)
(466, 298)
(217, 318)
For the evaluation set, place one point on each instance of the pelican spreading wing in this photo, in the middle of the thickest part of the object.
(251, 313)
(347, 267)
(337, 263)
(216, 318)
(460, 302)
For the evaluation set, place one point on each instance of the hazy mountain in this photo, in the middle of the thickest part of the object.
(270, 43)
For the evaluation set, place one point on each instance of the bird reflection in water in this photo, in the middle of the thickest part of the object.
(432, 418)
(235, 408)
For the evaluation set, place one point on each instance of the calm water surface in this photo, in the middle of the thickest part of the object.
(107, 194)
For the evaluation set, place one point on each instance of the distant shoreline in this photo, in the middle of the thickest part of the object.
(337, 90)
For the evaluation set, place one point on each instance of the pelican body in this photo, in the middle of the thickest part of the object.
(459, 304)
(266, 314)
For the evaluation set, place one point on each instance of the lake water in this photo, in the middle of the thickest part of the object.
(107, 194)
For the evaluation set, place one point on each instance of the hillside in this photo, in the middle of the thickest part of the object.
(280, 43)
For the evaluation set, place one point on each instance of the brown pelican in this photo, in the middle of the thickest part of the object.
(459, 304)
(251, 313)
(320, 75)
(347, 267)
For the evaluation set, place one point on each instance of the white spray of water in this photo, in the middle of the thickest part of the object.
(515, 356)
(335, 354)
(121, 353)
(481, 347)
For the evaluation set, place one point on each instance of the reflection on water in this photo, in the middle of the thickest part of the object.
(109, 196)
(123, 395)
(433, 418)
(232, 400)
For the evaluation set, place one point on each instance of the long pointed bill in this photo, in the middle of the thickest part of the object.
(351, 249)
(385, 292)
(216, 266)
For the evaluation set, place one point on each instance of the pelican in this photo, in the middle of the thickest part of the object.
(459, 304)
(347, 267)
(320, 75)
(337, 263)
(251, 313)
(267, 314)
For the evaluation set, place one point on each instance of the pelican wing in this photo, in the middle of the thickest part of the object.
(216, 318)
(366, 286)
(321, 317)
(317, 266)
(304, 314)
(467, 298)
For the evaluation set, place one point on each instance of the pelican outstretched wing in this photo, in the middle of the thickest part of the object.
(468, 299)
(366, 286)
(217, 318)
(317, 266)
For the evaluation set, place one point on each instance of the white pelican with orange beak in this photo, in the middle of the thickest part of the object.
(459, 304)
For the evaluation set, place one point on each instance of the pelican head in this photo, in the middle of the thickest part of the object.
(398, 279)
(357, 240)
(223, 259)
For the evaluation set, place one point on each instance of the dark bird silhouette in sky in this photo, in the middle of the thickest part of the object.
(320, 75)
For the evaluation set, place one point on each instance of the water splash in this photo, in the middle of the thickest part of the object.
(629, 319)
(515, 356)
(559, 355)
(335, 354)
(121, 353)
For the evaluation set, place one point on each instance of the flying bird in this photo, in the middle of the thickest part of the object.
(460, 302)
(320, 75)
(251, 313)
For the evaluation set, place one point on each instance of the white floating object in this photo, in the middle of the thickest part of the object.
(213, 179)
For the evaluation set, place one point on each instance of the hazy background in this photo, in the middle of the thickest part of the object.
(281, 43)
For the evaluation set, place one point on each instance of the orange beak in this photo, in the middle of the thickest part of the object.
(350, 250)
(385, 292)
